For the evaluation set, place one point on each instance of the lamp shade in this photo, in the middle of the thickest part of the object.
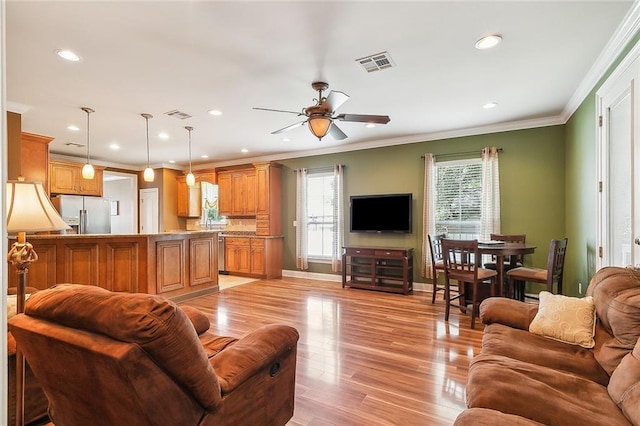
(319, 125)
(88, 172)
(149, 174)
(30, 210)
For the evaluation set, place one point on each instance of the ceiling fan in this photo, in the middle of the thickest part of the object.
(321, 116)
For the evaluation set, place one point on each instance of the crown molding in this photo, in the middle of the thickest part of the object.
(627, 29)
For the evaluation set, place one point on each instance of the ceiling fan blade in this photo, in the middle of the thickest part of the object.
(279, 110)
(363, 118)
(285, 129)
(336, 133)
(335, 99)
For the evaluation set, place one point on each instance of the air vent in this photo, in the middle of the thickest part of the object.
(178, 114)
(75, 145)
(377, 62)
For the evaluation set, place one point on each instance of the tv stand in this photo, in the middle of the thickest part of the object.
(378, 268)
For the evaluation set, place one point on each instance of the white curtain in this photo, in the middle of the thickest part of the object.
(338, 218)
(428, 213)
(490, 213)
(302, 255)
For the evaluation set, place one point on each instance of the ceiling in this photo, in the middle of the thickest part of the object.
(160, 56)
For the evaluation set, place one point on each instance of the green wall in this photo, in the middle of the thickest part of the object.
(531, 182)
(581, 189)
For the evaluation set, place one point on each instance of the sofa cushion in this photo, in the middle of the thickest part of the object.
(531, 348)
(157, 325)
(624, 387)
(616, 294)
(567, 319)
(488, 417)
(539, 393)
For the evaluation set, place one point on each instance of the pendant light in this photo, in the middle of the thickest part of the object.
(149, 175)
(87, 170)
(191, 180)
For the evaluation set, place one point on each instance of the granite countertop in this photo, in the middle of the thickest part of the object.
(61, 236)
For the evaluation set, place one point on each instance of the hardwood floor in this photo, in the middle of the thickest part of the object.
(364, 357)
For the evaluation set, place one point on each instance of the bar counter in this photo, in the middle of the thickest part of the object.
(176, 265)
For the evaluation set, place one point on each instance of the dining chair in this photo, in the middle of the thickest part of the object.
(553, 274)
(461, 264)
(512, 262)
(437, 264)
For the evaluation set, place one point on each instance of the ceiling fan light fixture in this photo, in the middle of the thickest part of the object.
(319, 126)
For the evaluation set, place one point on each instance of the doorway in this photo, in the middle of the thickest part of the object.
(618, 220)
(120, 189)
(149, 211)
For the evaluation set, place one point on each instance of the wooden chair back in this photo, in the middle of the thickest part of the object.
(555, 263)
(512, 238)
(435, 245)
(459, 258)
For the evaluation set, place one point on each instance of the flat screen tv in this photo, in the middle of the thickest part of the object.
(381, 213)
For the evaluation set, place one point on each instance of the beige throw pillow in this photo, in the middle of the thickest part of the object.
(567, 319)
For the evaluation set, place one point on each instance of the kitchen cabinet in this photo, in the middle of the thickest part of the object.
(237, 192)
(189, 199)
(33, 162)
(258, 257)
(268, 206)
(66, 178)
(237, 255)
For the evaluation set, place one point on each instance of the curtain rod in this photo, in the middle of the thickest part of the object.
(460, 153)
(319, 169)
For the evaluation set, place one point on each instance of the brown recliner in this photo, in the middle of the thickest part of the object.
(106, 358)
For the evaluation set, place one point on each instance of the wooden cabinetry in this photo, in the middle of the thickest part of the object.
(378, 268)
(34, 159)
(255, 257)
(237, 192)
(268, 209)
(189, 199)
(66, 178)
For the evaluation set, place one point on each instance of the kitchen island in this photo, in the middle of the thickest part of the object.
(176, 265)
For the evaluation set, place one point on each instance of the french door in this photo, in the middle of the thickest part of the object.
(618, 146)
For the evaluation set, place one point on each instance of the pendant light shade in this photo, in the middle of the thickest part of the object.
(191, 180)
(149, 175)
(87, 170)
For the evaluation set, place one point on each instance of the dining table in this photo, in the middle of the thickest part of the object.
(500, 250)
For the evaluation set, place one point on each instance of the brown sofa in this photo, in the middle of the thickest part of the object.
(522, 378)
(107, 358)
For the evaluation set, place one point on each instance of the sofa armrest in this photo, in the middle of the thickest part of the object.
(198, 319)
(489, 417)
(512, 313)
(255, 351)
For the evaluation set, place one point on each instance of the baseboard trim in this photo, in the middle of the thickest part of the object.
(422, 287)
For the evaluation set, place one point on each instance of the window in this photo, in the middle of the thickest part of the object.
(458, 198)
(320, 214)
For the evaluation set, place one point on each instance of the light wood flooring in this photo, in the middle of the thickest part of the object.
(364, 357)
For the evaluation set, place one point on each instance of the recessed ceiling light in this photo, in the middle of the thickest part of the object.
(163, 136)
(214, 112)
(114, 146)
(490, 105)
(244, 150)
(68, 55)
(286, 140)
(488, 42)
(370, 125)
(204, 156)
(73, 128)
(172, 161)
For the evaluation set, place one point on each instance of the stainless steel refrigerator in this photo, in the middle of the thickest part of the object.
(86, 215)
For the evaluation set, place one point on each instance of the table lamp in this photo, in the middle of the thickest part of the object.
(28, 210)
